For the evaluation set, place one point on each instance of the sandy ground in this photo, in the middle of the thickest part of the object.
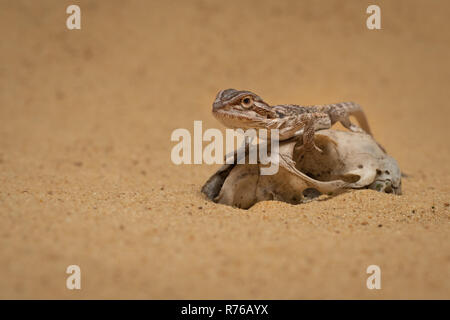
(85, 170)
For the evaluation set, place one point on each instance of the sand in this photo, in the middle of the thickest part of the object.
(86, 176)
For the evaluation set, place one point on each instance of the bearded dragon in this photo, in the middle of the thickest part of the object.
(246, 110)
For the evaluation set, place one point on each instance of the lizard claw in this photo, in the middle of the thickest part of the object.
(302, 150)
(318, 149)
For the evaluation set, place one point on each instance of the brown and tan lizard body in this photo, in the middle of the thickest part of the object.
(246, 110)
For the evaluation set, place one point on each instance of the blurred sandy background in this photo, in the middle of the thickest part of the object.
(85, 170)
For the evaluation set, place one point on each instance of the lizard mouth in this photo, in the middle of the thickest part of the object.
(238, 118)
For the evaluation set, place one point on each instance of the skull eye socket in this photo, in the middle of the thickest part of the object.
(247, 102)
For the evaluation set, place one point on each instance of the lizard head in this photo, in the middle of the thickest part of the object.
(241, 109)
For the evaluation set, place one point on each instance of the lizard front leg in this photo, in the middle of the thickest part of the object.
(291, 125)
(311, 123)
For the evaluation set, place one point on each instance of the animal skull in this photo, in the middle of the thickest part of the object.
(348, 161)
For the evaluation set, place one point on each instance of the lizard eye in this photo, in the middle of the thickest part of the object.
(247, 102)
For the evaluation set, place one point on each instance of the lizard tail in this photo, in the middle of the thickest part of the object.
(362, 120)
(355, 110)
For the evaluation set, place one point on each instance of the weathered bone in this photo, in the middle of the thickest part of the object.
(349, 160)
